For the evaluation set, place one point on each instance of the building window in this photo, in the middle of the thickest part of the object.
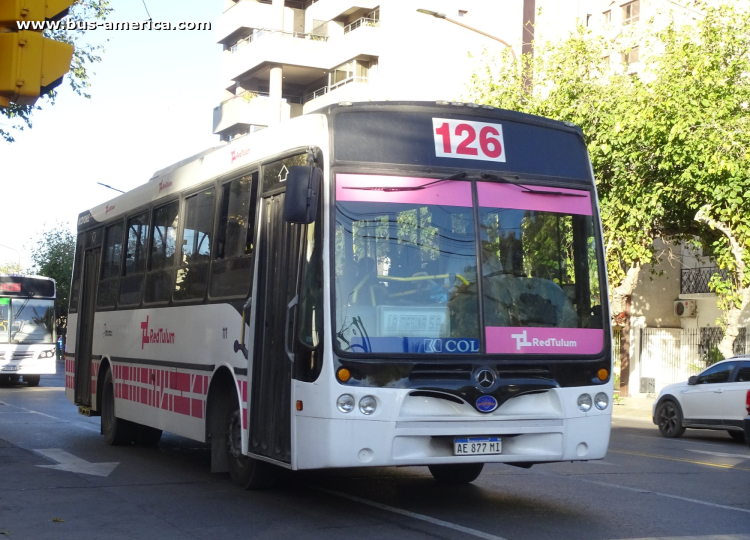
(630, 12)
(607, 16)
(462, 13)
(631, 56)
(607, 61)
(588, 19)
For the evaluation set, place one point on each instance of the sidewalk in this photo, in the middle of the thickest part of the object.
(634, 408)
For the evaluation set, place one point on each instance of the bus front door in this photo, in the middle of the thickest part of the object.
(86, 326)
(270, 405)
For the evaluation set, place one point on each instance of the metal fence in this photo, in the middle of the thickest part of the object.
(670, 355)
(695, 280)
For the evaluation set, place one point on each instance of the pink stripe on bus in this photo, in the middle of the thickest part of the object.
(448, 193)
(514, 197)
(535, 340)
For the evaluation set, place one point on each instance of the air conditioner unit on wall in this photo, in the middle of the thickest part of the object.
(684, 308)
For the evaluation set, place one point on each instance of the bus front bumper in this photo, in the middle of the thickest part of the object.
(370, 443)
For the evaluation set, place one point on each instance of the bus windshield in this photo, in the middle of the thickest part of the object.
(406, 268)
(27, 320)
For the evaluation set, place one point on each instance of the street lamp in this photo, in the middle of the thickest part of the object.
(438, 15)
(110, 187)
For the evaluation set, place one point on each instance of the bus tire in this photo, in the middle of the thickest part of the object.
(146, 435)
(32, 380)
(246, 472)
(116, 431)
(462, 473)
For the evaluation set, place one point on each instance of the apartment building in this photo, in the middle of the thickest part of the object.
(282, 59)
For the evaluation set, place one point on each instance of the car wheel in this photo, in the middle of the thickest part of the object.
(115, 430)
(246, 472)
(670, 419)
(738, 436)
(463, 473)
(32, 380)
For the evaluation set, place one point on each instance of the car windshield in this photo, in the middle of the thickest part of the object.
(406, 269)
(26, 320)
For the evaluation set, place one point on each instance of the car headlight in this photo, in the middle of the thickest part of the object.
(584, 402)
(345, 403)
(601, 400)
(368, 405)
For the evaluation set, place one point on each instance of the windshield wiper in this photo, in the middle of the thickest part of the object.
(489, 176)
(456, 176)
(13, 317)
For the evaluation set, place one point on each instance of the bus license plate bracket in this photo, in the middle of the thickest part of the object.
(477, 446)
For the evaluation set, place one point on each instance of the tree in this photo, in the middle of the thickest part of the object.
(85, 54)
(53, 257)
(670, 147)
(10, 268)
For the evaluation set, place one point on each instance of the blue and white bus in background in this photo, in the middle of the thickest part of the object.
(373, 284)
(27, 328)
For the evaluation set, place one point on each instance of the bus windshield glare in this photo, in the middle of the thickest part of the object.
(406, 277)
(26, 320)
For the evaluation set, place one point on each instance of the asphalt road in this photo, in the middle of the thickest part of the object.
(647, 487)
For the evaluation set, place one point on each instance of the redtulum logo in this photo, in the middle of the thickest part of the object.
(238, 154)
(164, 185)
(109, 209)
(149, 335)
(522, 341)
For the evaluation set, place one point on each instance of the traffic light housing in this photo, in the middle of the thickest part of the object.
(31, 64)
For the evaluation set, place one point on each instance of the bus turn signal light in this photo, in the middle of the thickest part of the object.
(343, 374)
(300, 406)
(603, 374)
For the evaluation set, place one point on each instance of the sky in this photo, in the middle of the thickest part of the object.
(152, 98)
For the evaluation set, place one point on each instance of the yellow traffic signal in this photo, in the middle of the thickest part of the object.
(31, 64)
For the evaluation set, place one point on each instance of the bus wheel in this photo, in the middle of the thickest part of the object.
(246, 472)
(456, 474)
(116, 431)
(146, 435)
(32, 380)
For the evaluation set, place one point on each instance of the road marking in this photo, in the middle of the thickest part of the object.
(70, 463)
(707, 463)
(646, 492)
(661, 438)
(414, 515)
(720, 454)
(77, 424)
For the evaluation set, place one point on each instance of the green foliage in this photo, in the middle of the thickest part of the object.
(714, 355)
(53, 257)
(664, 143)
(10, 268)
(85, 54)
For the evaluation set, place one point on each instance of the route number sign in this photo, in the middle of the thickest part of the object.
(464, 139)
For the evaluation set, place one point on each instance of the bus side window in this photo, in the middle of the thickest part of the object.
(131, 283)
(232, 270)
(192, 275)
(160, 274)
(75, 285)
(110, 272)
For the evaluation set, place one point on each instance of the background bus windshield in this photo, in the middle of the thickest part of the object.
(406, 269)
(26, 320)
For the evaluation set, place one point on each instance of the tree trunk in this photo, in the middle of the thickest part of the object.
(621, 309)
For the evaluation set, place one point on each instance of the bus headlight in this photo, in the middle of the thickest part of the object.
(584, 402)
(601, 400)
(368, 405)
(345, 403)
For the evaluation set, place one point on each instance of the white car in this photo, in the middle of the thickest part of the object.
(715, 399)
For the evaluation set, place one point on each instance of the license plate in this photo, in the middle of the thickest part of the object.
(9, 368)
(477, 446)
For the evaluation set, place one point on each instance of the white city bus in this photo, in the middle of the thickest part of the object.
(27, 328)
(374, 284)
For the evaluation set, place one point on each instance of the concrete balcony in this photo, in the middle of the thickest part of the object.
(326, 10)
(243, 16)
(249, 109)
(352, 89)
(303, 50)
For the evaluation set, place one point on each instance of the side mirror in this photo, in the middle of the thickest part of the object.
(692, 380)
(302, 189)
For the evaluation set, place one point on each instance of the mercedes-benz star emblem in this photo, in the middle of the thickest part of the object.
(485, 378)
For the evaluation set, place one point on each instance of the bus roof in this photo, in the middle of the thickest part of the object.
(267, 144)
